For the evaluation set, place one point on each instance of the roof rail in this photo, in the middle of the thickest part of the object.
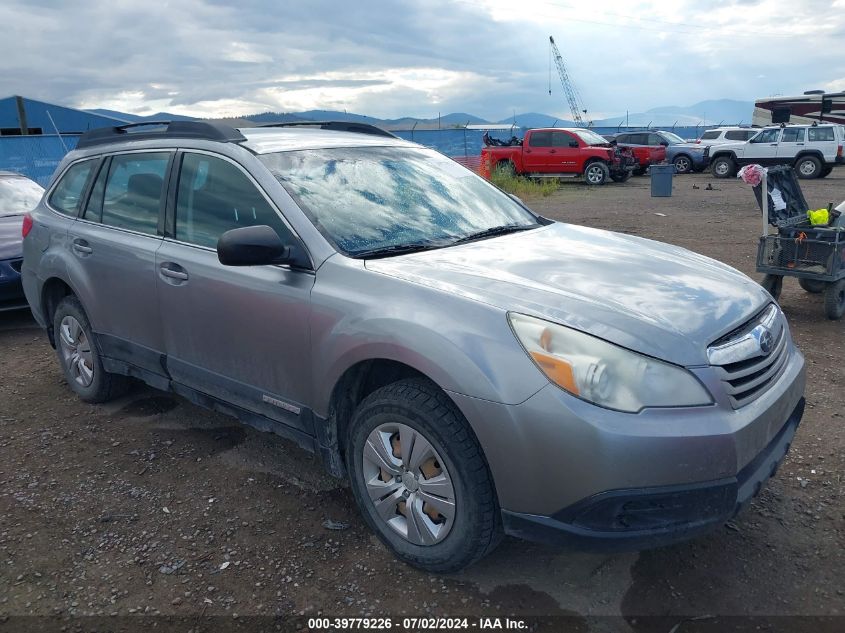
(336, 126)
(171, 129)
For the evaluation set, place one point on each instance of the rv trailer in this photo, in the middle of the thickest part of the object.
(812, 106)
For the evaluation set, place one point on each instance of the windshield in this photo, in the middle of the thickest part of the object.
(590, 138)
(365, 199)
(673, 138)
(18, 195)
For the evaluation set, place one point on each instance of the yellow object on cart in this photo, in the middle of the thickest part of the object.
(819, 217)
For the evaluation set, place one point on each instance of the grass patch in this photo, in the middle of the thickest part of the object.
(506, 180)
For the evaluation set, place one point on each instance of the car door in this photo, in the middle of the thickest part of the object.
(792, 141)
(237, 334)
(537, 156)
(566, 152)
(762, 149)
(113, 243)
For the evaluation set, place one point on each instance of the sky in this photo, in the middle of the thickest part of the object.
(389, 59)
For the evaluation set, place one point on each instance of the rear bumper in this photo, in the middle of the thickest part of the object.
(641, 518)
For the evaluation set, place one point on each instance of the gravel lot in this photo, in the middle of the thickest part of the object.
(150, 505)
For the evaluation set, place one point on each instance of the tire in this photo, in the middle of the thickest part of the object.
(79, 357)
(596, 173)
(834, 300)
(411, 411)
(640, 171)
(812, 286)
(808, 167)
(773, 285)
(621, 177)
(683, 164)
(825, 172)
(723, 167)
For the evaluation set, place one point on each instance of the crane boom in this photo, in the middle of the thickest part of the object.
(569, 89)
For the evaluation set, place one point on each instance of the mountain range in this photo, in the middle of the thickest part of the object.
(712, 111)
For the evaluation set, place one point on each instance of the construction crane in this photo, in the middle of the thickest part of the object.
(569, 89)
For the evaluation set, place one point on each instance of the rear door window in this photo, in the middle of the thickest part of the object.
(67, 196)
(133, 191)
(540, 139)
(215, 196)
(792, 135)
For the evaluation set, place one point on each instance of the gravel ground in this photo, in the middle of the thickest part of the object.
(150, 505)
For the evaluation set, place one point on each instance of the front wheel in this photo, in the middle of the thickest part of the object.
(420, 478)
(834, 300)
(808, 167)
(723, 167)
(683, 164)
(596, 174)
(773, 285)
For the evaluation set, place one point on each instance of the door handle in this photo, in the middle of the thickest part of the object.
(552, 151)
(81, 247)
(170, 273)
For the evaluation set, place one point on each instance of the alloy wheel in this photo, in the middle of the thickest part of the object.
(76, 351)
(408, 484)
(807, 168)
(682, 164)
(595, 174)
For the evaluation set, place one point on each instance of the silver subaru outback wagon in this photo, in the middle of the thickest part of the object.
(474, 369)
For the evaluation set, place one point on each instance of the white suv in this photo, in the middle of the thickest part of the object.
(812, 149)
(720, 135)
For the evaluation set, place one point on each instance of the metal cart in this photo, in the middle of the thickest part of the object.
(814, 255)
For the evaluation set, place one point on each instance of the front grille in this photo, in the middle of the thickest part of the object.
(745, 370)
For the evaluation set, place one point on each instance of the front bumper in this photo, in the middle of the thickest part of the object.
(650, 517)
(11, 290)
(562, 465)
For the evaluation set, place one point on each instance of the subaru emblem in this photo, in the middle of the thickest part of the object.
(766, 340)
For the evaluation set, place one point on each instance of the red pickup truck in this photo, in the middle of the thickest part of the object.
(559, 153)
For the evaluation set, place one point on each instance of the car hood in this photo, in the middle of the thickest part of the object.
(648, 296)
(10, 237)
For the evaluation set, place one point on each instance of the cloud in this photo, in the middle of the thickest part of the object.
(389, 59)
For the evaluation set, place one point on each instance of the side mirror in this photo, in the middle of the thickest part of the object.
(664, 143)
(573, 143)
(252, 246)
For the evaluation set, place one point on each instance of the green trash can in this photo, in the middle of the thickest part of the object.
(661, 180)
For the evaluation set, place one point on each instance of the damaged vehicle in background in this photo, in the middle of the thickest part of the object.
(560, 153)
(473, 368)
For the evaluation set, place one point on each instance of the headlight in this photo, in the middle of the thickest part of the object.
(605, 374)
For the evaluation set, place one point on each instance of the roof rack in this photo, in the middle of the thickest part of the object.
(163, 129)
(336, 126)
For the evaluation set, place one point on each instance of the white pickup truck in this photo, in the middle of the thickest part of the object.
(813, 150)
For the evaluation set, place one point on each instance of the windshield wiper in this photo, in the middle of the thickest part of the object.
(494, 231)
(397, 249)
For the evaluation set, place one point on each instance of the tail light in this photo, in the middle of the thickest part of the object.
(839, 152)
(26, 227)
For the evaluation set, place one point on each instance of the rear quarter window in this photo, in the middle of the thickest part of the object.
(709, 136)
(67, 195)
(739, 135)
(820, 134)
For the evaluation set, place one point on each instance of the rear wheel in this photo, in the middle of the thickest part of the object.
(420, 478)
(808, 167)
(683, 164)
(506, 168)
(825, 172)
(723, 167)
(834, 300)
(596, 174)
(811, 285)
(79, 356)
(773, 285)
